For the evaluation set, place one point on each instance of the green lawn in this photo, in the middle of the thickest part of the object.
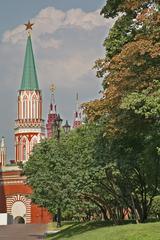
(97, 231)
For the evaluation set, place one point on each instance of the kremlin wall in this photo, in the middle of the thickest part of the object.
(29, 130)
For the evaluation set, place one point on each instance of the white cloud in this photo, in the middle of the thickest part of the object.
(66, 73)
(48, 43)
(14, 36)
(87, 21)
(49, 20)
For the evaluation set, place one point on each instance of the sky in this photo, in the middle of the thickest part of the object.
(67, 38)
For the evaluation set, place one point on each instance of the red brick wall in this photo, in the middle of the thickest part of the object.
(16, 189)
(3, 206)
(38, 214)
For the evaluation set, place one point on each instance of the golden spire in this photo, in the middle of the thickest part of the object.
(52, 105)
(29, 26)
(52, 88)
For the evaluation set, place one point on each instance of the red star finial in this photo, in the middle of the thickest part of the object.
(29, 25)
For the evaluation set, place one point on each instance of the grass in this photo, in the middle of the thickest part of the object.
(98, 231)
(53, 226)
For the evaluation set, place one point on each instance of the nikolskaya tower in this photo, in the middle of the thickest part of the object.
(29, 128)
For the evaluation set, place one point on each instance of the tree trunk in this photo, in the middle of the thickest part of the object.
(104, 212)
(144, 213)
(136, 212)
(59, 217)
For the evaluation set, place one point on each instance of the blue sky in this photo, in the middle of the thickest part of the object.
(67, 38)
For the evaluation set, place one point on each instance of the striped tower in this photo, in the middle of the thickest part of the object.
(77, 115)
(29, 128)
(3, 152)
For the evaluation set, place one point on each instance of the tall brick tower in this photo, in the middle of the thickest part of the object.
(52, 115)
(77, 114)
(29, 128)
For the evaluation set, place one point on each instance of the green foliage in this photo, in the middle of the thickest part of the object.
(60, 172)
(87, 168)
(45, 171)
(116, 7)
(145, 103)
(155, 208)
(111, 8)
(130, 104)
(121, 33)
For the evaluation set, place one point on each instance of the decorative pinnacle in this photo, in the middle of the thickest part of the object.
(77, 96)
(52, 88)
(29, 26)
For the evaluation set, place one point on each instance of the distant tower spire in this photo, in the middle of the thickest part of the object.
(3, 152)
(52, 115)
(52, 104)
(77, 114)
(77, 104)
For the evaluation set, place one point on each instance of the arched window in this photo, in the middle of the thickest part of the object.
(33, 142)
(37, 107)
(24, 149)
(34, 106)
(24, 152)
(25, 105)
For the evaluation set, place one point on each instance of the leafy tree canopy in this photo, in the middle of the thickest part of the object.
(130, 102)
(114, 7)
(155, 209)
(60, 172)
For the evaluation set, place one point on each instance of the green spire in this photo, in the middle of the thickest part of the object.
(29, 78)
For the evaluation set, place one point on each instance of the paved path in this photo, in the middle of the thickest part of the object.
(22, 231)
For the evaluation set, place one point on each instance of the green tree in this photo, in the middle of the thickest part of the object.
(155, 209)
(46, 174)
(57, 172)
(74, 172)
(130, 101)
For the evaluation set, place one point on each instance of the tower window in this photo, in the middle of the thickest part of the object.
(24, 152)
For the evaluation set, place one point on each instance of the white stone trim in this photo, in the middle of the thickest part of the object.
(14, 198)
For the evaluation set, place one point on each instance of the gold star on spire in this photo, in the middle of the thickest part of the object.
(29, 25)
